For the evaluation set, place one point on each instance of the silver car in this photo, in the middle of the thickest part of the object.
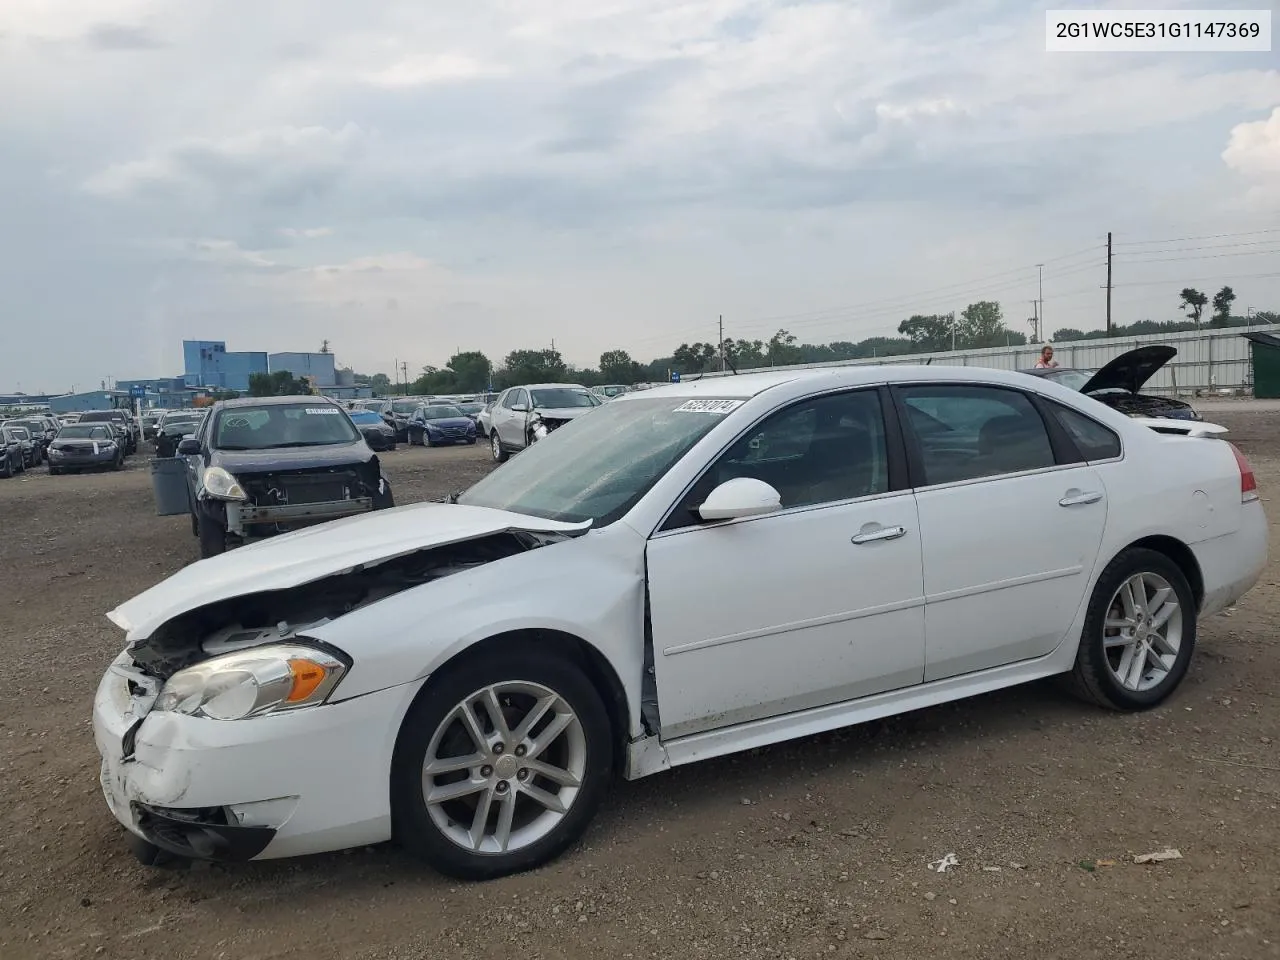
(522, 415)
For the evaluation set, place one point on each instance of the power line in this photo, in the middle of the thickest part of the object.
(1202, 256)
(1211, 236)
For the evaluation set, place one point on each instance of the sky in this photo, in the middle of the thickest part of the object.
(406, 179)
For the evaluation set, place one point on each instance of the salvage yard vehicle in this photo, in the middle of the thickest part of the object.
(12, 460)
(260, 466)
(121, 421)
(523, 415)
(379, 434)
(173, 426)
(670, 579)
(32, 449)
(86, 446)
(434, 424)
(1117, 384)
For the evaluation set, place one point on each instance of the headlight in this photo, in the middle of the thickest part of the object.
(108, 444)
(55, 452)
(252, 683)
(218, 483)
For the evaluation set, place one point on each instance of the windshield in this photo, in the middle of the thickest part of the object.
(441, 412)
(28, 424)
(405, 406)
(365, 416)
(557, 398)
(100, 416)
(282, 425)
(1071, 379)
(85, 431)
(22, 433)
(596, 468)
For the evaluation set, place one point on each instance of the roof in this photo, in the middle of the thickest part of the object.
(549, 386)
(276, 401)
(749, 385)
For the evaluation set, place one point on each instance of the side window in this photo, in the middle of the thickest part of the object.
(519, 398)
(1094, 441)
(967, 432)
(506, 399)
(822, 450)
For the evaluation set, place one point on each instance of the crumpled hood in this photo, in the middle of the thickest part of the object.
(292, 559)
(1131, 370)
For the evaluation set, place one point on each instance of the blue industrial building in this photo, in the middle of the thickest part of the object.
(318, 366)
(91, 400)
(208, 363)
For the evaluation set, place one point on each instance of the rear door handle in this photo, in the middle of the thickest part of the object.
(1077, 498)
(884, 533)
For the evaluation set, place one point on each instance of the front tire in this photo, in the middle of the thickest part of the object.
(1139, 633)
(501, 764)
(213, 539)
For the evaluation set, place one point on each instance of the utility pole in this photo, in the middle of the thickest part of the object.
(722, 343)
(1040, 312)
(1036, 329)
(404, 366)
(1108, 283)
(395, 368)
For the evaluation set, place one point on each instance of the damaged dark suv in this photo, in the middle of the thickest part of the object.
(266, 465)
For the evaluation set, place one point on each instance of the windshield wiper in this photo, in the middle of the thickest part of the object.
(305, 443)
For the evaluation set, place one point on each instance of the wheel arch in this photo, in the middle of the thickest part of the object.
(1180, 554)
(575, 650)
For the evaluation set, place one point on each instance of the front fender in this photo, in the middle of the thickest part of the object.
(591, 587)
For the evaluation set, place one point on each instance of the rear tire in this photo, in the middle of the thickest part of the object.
(543, 815)
(1139, 633)
(499, 452)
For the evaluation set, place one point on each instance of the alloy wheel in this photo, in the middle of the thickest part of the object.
(504, 767)
(1142, 633)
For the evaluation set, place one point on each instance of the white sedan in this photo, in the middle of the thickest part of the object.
(693, 570)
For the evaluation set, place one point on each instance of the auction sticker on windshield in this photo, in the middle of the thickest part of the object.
(709, 406)
(322, 410)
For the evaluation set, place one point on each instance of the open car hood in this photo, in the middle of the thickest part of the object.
(293, 559)
(1131, 370)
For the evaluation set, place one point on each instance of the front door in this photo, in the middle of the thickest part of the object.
(1012, 528)
(819, 603)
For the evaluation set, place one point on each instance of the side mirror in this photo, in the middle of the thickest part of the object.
(188, 447)
(740, 497)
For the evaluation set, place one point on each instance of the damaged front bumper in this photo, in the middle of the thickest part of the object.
(242, 517)
(279, 785)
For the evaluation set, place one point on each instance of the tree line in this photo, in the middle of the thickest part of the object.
(979, 325)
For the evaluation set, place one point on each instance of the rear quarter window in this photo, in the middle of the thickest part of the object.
(1094, 441)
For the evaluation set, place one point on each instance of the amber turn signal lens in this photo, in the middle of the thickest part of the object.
(307, 676)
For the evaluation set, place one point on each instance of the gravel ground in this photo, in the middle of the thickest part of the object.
(817, 848)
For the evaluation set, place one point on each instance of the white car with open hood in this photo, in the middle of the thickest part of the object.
(689, 571)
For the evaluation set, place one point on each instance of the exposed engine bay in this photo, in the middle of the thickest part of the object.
(273, 616)
(1146, 405)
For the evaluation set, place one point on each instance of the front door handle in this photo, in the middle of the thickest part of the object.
(1075, 498)
(884, 533)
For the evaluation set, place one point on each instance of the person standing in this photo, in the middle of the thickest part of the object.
(1046, 358)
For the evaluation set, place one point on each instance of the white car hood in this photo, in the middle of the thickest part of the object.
(563, 413)
(292, 559)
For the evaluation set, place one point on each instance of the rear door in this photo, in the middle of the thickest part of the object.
(1011, 520)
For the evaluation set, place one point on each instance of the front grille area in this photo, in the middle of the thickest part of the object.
(321, 489)
(294, 489)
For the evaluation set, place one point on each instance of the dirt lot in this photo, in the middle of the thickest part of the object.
(813, 849)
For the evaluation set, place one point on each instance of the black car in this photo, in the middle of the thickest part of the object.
(261, 466)
(173, 426)
(119, 419)
(12, 459)
(396, 413)
(379, 434)
(32, 450)
(1117, 384)
(86, 446)
(41, 434)
(438, 423)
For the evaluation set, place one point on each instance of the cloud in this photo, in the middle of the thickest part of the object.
(115, 36)
(1253, 150)
(279, 166)
(647, 161)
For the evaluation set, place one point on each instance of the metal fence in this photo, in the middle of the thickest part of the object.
(1207, 359)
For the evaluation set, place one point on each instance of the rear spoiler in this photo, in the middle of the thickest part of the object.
(1182, 428)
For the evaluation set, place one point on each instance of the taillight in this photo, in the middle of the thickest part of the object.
(1248, 483)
